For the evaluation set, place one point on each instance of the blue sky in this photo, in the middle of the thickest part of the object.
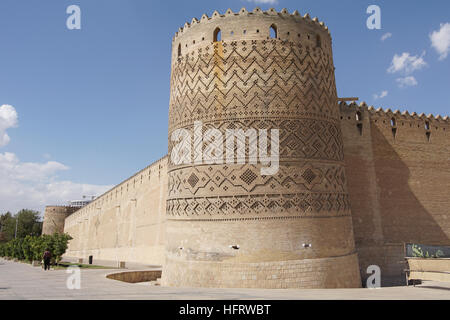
(89, 107)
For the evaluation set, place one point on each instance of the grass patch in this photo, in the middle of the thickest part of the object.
(65, 265)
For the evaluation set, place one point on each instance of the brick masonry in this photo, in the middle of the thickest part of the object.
(354, 182)
(54, 218)
(398, 169)
(250, 79)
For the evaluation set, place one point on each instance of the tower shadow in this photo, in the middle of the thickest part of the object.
(408, 206)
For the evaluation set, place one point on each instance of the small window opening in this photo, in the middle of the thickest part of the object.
(428, 136)
(245, 31)
(427, 125)
(358, 116)
(273, 31)
(257, 31)
(360, 128)
(394, 132)
(318, 42)
(179, 50)
(217, 35)
(393, 122)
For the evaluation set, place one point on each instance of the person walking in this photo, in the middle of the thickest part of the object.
(47, 257)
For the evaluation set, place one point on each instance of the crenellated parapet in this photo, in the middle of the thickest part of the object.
(251, 25)
(355, 112)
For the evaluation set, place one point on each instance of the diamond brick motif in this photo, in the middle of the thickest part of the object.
(248, 176)
(309, 175)
(192, 180)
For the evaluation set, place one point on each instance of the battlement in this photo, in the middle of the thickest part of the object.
(256, 12)
(251, 25)
(59, 206)
(388, 113)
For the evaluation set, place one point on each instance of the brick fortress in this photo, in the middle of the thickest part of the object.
(354, 183)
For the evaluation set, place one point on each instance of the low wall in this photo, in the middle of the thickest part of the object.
(136, 276)
(429, 269)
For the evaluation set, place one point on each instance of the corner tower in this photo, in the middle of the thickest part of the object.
(54, 218)
(228, 225)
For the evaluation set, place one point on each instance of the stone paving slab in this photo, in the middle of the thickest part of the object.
(21, 281)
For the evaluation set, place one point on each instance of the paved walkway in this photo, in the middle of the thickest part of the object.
(21, 281)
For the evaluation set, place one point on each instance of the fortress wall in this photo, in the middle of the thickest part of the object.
(362, 186)
(398, 185)
(126, 223)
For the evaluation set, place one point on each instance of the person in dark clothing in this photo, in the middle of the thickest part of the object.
(47, 257)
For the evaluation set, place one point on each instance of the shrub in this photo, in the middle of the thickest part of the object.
(32, 248)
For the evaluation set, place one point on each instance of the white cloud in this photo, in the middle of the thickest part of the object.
(263, 1)
(8, 119)
(381, 95)
(440, 40)
(407, 82)
(28, 171)
(34, 185)
(386, 36)
(407, 63)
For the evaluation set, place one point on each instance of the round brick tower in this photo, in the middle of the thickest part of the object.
(54, 218)
(229, 225)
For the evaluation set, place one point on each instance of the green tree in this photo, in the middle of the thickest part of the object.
(27, 248)
(7, 227)
(29, 223)
(60, 242)
(32, 248)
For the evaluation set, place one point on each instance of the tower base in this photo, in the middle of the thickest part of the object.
(337, 272)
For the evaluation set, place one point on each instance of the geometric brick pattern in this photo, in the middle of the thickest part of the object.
(219, 180)
(259, 84)
(241, 79)
(301, 204)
